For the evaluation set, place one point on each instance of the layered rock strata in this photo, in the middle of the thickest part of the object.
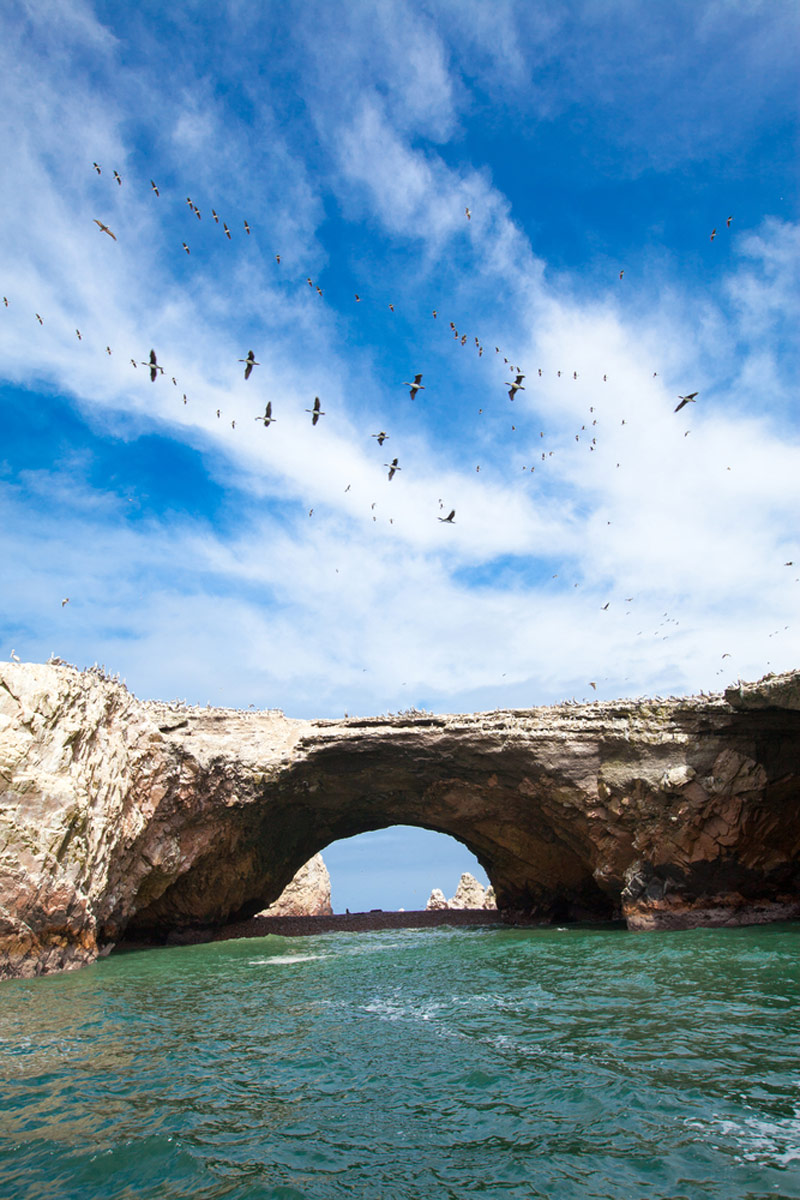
(118, 815)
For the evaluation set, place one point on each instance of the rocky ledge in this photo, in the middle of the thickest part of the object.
(127, 818)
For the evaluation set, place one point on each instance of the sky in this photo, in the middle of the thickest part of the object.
(474, 191)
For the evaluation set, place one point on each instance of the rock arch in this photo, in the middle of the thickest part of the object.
(119, 814)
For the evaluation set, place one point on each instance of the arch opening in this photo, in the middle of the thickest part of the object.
(397, 868)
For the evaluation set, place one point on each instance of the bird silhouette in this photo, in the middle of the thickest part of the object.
(415, 387)
(450, 519)
(153, 186)
(685, 400)
(99, 172)
(713, 235)
(227, 231)
(152, 363)
(316, 411)
(246, 227)
(104, 228)
(214, 215)
(251, 362)
(267, 418)
(516, 386)
(186, 248)
(116, 176)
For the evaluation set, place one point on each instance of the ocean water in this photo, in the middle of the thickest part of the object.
(558, 1063)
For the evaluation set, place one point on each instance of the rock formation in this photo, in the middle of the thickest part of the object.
(469, 894)
(307, 895)
(119, 816)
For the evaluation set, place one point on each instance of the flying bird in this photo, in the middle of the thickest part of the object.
(186, 248)
(214, 215)
(39, 319)
(728, 222)
(392, 467)
(108, 350)
(246, 227)
(448, 520)
(153, 186)
(713, 235)
(190, 202)
(99, 172)
(65, 601)
(316, 411)
(251, 362)
(227, 231)
(278, 259)
(5, 301)
(104, 228)
(153, 365)
(621, 274)
(469, 214)
(382, 436)
(116, 176)
(80, 339)
(685, 400)
(197, 214)
(516, 386)
(415, 387)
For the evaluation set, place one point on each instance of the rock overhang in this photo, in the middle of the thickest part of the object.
(119, 814)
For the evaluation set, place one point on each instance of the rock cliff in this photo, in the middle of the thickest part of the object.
(307, 895)
(119, 816)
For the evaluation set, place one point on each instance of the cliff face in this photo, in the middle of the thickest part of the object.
(120, 815)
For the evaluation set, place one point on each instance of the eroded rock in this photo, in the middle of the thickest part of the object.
(124, 816)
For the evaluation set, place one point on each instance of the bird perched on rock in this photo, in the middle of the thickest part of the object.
(316, 411)
(152, 363)
(15, 656)
(251, 362)
(685, 400)
(104, 228)
(392, 467)
(516, 386)
(415, 387)
(450, 519)
(267, 418)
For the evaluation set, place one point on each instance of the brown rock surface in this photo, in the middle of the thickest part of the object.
(118, 815)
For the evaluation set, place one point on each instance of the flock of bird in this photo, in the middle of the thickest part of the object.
(515, 385)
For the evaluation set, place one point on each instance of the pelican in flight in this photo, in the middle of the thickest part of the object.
(316, 411)
(152, 363)
(153, 186)
(516, 386)
(251, 362)
(104, 228)
(414, 387)
(392, 467)
(685, 400)
(382, 436)
(267, 418)
(450, 519)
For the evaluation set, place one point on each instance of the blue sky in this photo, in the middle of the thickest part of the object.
(585, 139)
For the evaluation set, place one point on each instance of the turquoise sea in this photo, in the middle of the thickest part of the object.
(493, 1062)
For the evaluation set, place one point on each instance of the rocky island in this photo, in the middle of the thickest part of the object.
(121, 817)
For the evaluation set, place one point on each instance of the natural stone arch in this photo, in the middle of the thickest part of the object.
(118, 814)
